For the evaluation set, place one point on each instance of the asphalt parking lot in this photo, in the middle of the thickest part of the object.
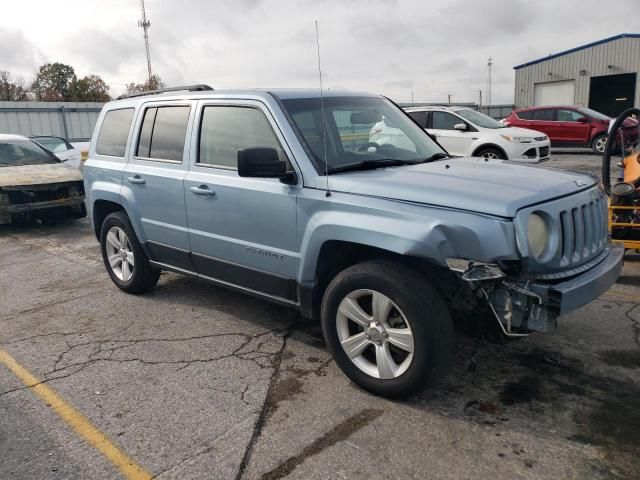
(193, 381)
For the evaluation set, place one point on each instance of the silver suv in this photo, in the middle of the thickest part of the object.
(284, 195)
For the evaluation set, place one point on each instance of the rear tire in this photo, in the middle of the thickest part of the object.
(492, 153)
(599, 144)
(123, 257)
(411, 345)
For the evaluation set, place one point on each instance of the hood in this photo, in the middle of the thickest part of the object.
(494, 187)
(520, 132)
(38, 175)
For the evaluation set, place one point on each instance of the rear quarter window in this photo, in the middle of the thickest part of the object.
(112, 138)
(528, 115)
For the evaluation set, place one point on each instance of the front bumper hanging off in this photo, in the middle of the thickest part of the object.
(526, 306)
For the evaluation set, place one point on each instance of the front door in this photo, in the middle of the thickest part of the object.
(153, 181)
(573, 127)
(456, 142)
(242, 230)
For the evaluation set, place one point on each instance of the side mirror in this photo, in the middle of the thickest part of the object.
(583, 120)
(460, 126)
(263, 162)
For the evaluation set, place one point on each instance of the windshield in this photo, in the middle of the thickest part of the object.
(362, 131)
(593, 114)
(479, 119)
(53, 144)
(14, 153)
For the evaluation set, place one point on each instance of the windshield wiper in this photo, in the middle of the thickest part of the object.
(434, 157)
(371, 164)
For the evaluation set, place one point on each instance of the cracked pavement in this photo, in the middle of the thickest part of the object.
(193, 381)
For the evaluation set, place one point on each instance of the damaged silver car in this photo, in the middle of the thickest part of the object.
(34, 183)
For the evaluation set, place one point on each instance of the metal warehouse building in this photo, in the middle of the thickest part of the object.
(602, 75)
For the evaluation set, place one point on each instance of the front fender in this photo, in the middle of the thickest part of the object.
(430, 233)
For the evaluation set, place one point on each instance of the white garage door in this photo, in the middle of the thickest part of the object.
(554, 93)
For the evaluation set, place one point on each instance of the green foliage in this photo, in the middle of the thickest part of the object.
(53, 82)
(12, 90)
(154, 83)
(91, 88)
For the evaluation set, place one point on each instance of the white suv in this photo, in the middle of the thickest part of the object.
(465, 132)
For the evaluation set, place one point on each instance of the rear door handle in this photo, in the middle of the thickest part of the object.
(203, 190)
(137, 179)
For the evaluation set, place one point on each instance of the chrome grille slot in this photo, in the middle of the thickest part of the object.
(584, 232)
(579, 224)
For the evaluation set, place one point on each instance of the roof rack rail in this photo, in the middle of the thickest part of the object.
(201, 87)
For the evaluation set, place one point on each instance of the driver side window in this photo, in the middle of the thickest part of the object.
(569, 116)
(444, 121)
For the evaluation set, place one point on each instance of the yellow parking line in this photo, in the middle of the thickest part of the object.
(76, 420)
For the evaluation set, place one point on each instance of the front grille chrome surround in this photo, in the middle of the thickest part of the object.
(578, 232)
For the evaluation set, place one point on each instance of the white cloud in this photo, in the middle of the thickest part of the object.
(432, 48)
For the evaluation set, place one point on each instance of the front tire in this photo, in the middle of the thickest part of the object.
(492, 153)
(387, 328)
(123, 257)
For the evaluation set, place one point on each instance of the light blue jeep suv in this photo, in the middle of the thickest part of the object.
(284, 195)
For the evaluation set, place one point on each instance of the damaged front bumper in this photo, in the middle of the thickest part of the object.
(16, 201)
(525, 306)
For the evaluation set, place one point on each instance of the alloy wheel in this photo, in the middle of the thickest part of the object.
(119, 253)
(375, 334)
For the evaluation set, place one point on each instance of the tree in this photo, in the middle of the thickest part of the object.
(53, 82)
(12, 90)
(154, 83)
(91, 88)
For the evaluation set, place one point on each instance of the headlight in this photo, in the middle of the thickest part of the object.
(537, 235)
(517, 139)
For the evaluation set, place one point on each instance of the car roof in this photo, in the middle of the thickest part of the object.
(428, 108)
(541, 107)
(7, 137)
(250, 93)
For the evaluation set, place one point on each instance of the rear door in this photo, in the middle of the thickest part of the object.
(456, 142)
(242, 230)
(543, 120)
(153, 180)
(573, 127)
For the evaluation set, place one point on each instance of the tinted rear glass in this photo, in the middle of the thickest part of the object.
(112, 139)
(169, 133)
(420, 117)
(545, 115)
(528, 115)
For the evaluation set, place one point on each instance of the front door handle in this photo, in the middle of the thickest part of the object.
(137, 179)
(203, 190)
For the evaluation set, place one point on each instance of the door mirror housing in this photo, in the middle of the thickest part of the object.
(263, 162)
(460, 126)
(583, 120)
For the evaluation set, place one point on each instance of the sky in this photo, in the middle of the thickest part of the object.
(420, 49)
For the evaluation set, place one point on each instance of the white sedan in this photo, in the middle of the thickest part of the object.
(62, 149)
(466, 132)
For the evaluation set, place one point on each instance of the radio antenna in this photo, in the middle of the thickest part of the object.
(324, 143)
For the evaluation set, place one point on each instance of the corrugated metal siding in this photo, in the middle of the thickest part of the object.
(624, 53)
(48, 118)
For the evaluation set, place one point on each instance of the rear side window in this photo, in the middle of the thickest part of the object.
(225, 130)
(112, 139)
(420, 117)
(545, 115)
(163, 133)
(528, 115)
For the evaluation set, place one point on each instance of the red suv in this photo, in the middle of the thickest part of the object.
(571, 126)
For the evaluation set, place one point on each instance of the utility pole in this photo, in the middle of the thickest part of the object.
(412, 102)
(145, 24)
(449, 99)
(489, 64)
(479, 99)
